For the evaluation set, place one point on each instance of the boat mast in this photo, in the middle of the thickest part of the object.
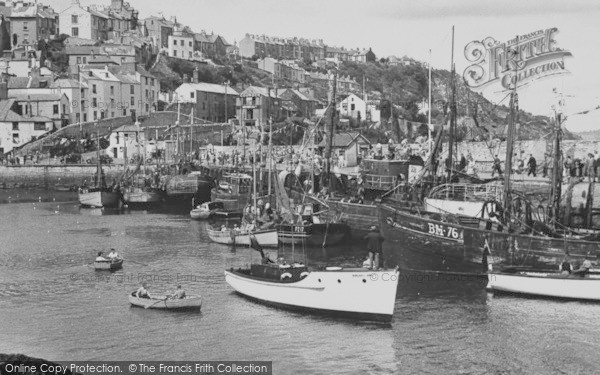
(556, 188)
(329, 134)
(452, 112)
(270, 156)
(98, 164)
(514, 100)
(429, 112)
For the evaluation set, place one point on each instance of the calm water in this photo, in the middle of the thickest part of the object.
(53, 305)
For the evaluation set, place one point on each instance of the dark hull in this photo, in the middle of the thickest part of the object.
(359, 217)
(313, 234)
(422, 242)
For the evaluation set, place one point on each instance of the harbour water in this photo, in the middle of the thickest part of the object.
(53, 305)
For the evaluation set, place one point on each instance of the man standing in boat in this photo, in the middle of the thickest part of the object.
(113, 255)
(374, 239)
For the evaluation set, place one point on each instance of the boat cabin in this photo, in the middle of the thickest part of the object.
(235, 183)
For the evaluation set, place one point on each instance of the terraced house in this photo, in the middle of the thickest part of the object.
(98, 22)
(29, 22)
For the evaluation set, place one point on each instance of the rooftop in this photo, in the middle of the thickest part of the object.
(207, 87)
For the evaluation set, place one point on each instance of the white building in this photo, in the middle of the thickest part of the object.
(181, 45)
(126, 142)
(16, 130)
(353, 106)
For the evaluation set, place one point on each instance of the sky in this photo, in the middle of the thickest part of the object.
(413, 28)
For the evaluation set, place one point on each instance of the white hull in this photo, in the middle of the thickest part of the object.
(163, 303)
(361, 293)
(546, 285)
(141, 197)
(98, 199)
(267, 238)
(199, 214)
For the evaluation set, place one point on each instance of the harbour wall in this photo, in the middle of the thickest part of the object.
(48, 176)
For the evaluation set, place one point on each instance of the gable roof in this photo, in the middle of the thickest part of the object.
(18, 82)
(37, 97)
(207, 87)
(344, 139)
(128, 128)
(255, 90)
(67, 83)
(6, 113)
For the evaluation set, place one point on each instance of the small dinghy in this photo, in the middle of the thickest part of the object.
(165, 303)
(108, 264)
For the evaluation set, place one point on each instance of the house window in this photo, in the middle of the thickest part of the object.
(112, 104)
(122, 60)
(64, 108)
(124, 111)
(192, 94)
(190, 54)
(117, 138)
(132, 100)
(132, 89)
(85, 59)
(203, 106)
(75, 31)
(146, 80)
(74, 19)
(112, 90)
(94, 102)
(82, 93)
(55, 109)
(174, 42)
(175, 53)
(147, 96)
(152, 81)
(94, 91)
(102, 114)
(182, 43)
(112, 114)
(15, 126)
(25, 26)
(40, 126)
(85, 117)
(190, 44)
(79, 60)
(352, 107)
(249, 114)
(16, 138)
(95, 115)
(77, 117)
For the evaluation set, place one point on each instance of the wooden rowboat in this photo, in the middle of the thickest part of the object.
(265, 237)
(164, 303)
(108, 264)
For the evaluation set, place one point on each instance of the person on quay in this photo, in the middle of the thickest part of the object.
(179, 293)
(374, 239)
(100, 257)
(565, 268)
(584, 269)
(142, 291)
(532, 164)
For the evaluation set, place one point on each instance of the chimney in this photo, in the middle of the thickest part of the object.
(186, 79)
(3, 90)
(196, 75)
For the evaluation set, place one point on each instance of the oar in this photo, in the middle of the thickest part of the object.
(152, 304)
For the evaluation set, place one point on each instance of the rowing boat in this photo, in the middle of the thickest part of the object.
(108, 264)
(164, 303)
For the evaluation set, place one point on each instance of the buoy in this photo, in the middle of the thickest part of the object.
(286, 276)
(304, 274)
